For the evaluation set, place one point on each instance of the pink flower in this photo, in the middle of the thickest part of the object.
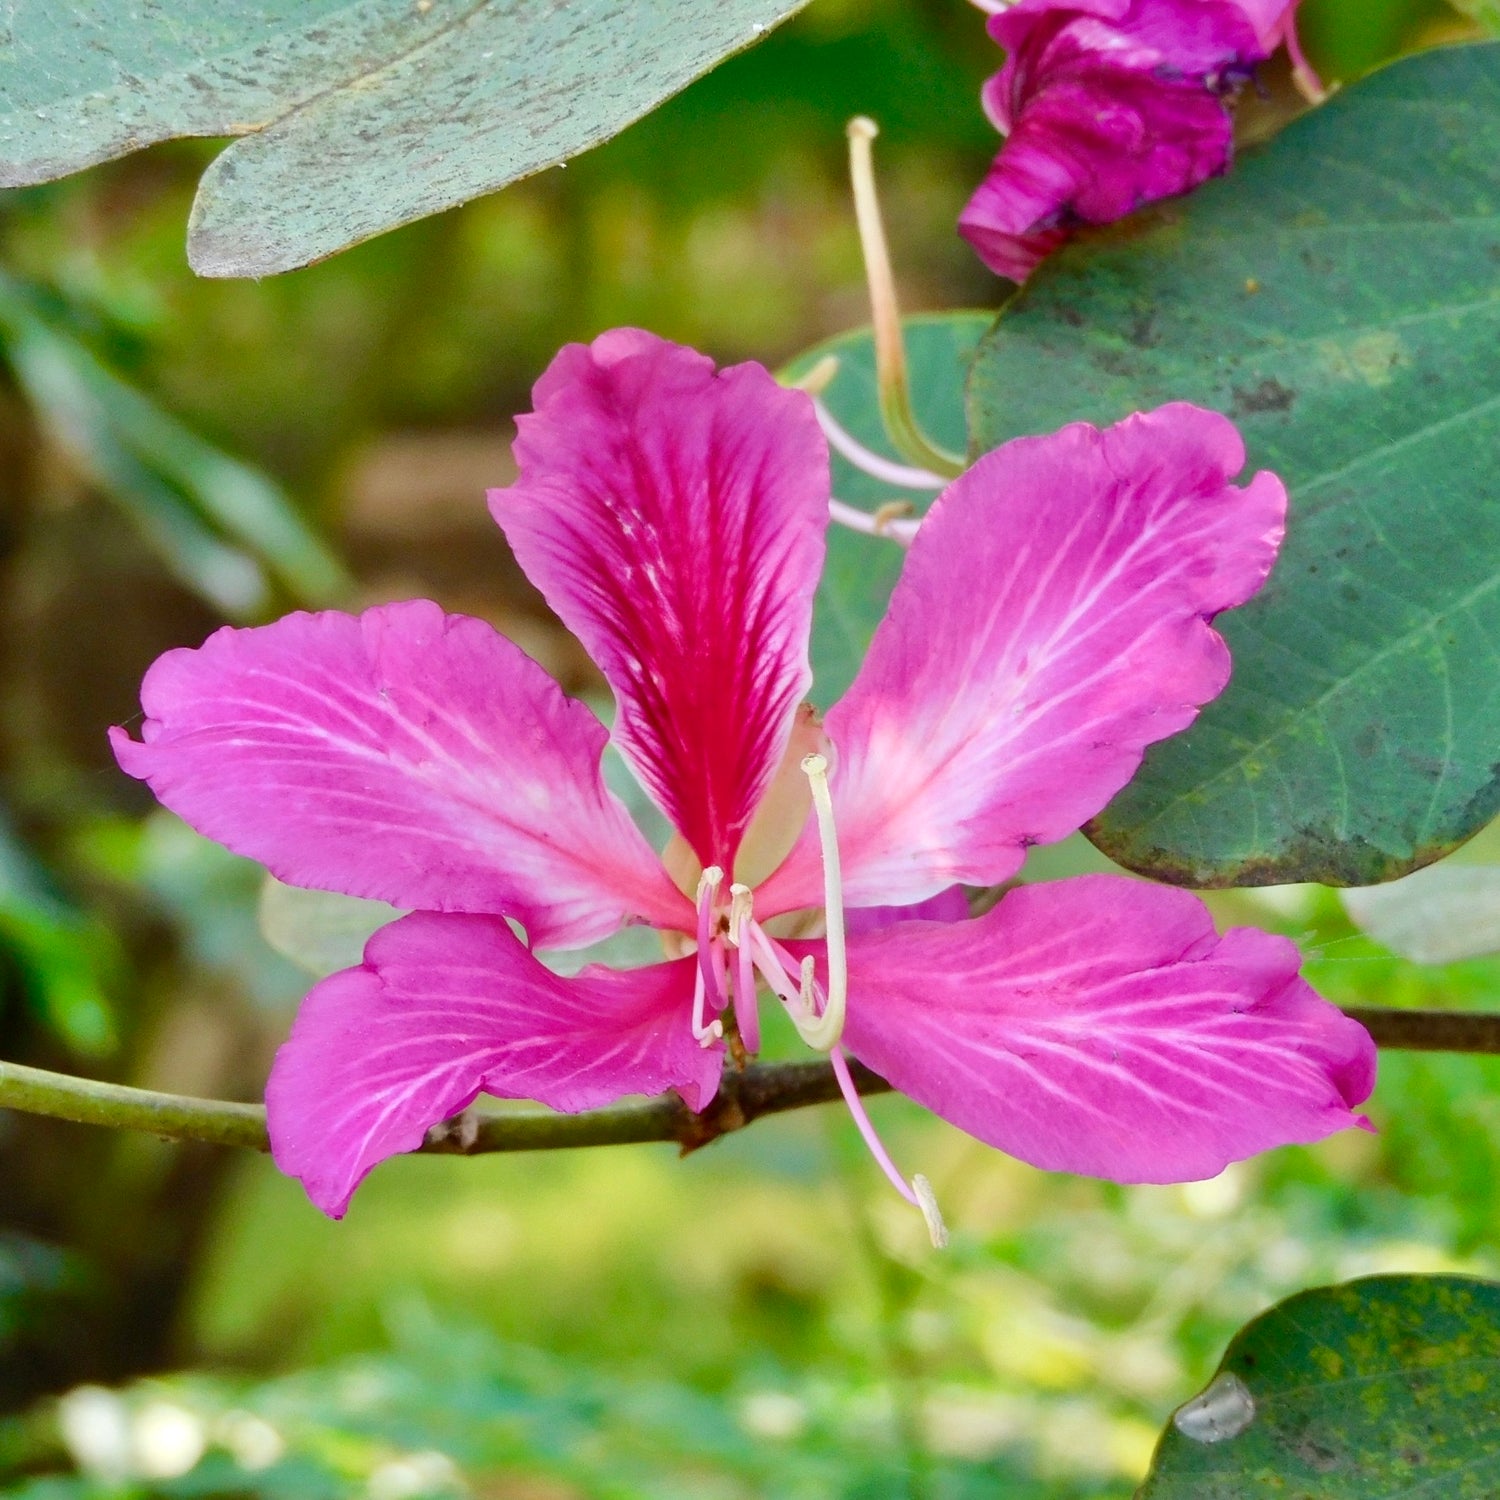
(1106, 105)
(1052, 621)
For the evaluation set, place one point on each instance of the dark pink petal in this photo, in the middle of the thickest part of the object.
(951, 905)
(447, 1007)
(1106, 105)
(1051, 622)
(403, 755)
(674, 517)
(1099, 1025)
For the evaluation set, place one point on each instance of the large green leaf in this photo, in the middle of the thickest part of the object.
(1339, 295)
(355, 115)
(1387, 1387)
(861, 570)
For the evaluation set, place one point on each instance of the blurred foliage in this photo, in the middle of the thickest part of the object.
(760, 1319)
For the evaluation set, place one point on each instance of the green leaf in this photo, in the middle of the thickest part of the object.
(355, 115)
(1339, 296)
(861, 570)
(212, 519)
(1387, 1387)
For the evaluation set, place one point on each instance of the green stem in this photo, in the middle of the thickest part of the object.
(761, 1089)
(744, 1096)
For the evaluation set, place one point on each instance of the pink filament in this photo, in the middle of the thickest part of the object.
(710, 960)
(746, 1016)
(866, 1129)
(1301, 68)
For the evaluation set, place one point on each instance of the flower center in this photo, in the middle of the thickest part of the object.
(734, 949)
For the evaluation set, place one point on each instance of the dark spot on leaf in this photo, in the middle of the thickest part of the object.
(1269, 395)
(1143, 332)
(1429, 767)
(1115, 362)
(1367, 741)
(1071, 316)
(1318, 1455)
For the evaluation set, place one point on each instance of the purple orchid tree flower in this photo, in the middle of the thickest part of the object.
(1109, 104)
(1051, 622)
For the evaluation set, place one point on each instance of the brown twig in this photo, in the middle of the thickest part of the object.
(744, 1096)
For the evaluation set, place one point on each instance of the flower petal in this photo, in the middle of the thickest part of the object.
(1099, 1025)
(446, 1007)
(673, 516)
(1051, 622)
(403, 755)
(951, 905)
(1105, 106)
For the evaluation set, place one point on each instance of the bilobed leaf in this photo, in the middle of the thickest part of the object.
(355, 115)
(1387, 1387)
(1339, 296)
(861, 570)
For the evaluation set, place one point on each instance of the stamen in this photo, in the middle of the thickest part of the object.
(918, 1192)
(823, 1031)
(890, 352)
(841, 440)
(704, 1034)
(746, 1013)
(808, 989)
(819, 378)
(882, 522)
(708, 990)
(1304, 75)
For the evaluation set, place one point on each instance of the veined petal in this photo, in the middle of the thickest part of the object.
(673, 516)
(1099, 1025)
(1105, 106)
(951, 905)
(1052, 621)
(446, 1007)
(403, 755)
(1090, 150)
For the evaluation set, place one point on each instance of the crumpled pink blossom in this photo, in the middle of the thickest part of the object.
(1053, 620)
(1106, 105)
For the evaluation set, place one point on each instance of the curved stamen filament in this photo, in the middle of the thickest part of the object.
(823, 1030)
(746, 1016)
(708, 990)
(842, 441)
(894, 520)
(1304, 75)
(918, 1192)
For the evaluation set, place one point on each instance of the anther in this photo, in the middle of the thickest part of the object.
(823, 1031)
(937, 1231)
(741, 903)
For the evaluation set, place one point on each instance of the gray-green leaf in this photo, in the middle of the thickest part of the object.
(1387, 1387)
(355, 115)
(1339, 296)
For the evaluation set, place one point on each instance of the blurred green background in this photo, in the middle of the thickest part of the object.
(762, 1319)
